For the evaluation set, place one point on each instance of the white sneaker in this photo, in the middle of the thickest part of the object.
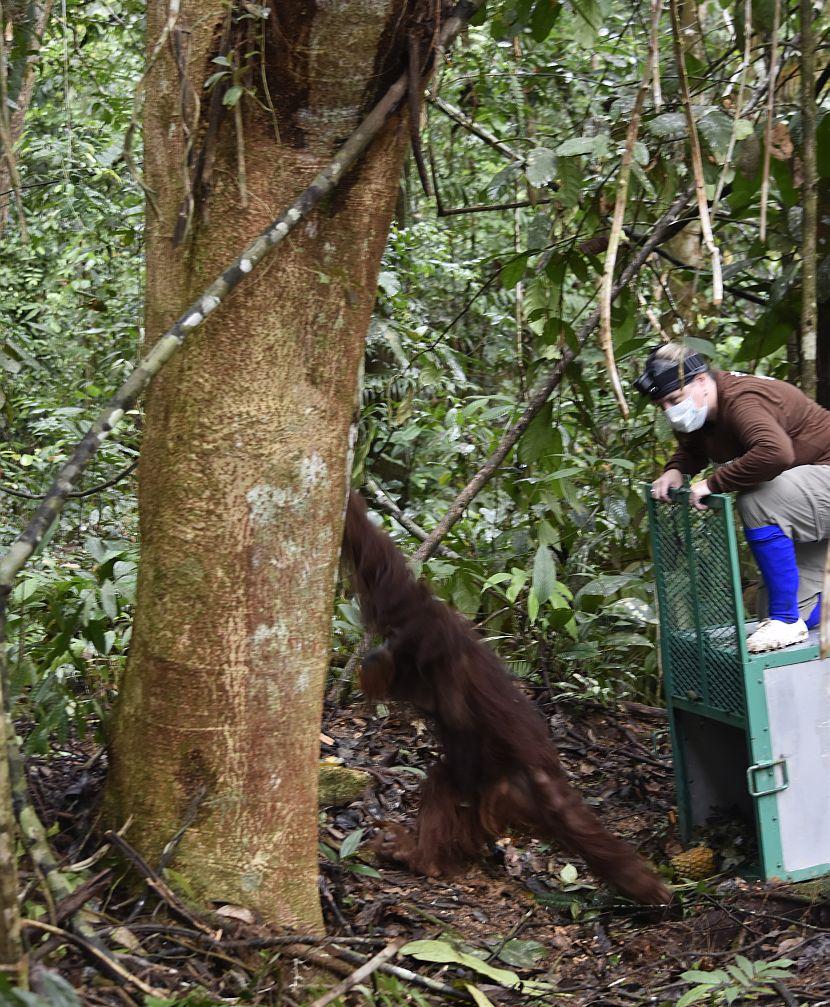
(772, 634)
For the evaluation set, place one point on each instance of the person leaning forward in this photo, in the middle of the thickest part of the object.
(771, 445)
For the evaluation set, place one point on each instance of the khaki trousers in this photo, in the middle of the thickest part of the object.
(798, 501)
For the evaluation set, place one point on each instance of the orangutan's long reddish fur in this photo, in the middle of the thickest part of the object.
(499, 770)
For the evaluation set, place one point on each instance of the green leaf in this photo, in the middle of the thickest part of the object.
(109, 602)
(541, 164)
(328, 852)
(370, 872)
(543, 19)
(569, 874)
(694, 996)
(442, 951)
(389, 283)
(522, 954)
(212, 80)
(544, 574)
(478, 997)
(707, 978)
(54, 991)
(513, 271)
(497, 578)
(232, 95)
(596, 146)
(541, 437)
(351, 843)
(519, 579)
(740, 976)
(532, 605)
(668, 126)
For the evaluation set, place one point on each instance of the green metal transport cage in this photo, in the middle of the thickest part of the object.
(750, 732)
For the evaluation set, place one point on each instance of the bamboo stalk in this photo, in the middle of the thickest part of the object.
(605, 336)
(739, 102)
(809, 201)
(697, 158)
(771, 81)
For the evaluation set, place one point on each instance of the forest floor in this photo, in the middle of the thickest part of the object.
(526, 909)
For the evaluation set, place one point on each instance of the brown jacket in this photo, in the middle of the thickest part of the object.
(763, 427)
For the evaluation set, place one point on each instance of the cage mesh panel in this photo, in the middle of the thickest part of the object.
(704, 666)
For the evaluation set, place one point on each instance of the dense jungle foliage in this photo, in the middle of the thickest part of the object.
(482, 286)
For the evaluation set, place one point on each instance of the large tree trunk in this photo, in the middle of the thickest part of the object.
(245, 460)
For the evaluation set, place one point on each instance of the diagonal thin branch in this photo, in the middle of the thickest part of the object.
(194, 316)
(457, 116)
(106, 963)
(662, 230)
(385, 502)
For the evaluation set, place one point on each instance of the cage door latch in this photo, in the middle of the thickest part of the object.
(779, 780)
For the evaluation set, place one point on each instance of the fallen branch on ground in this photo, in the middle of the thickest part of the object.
(106, 962)
(361, 973)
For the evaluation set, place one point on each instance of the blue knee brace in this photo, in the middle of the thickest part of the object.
(814, 618)
(775, 555)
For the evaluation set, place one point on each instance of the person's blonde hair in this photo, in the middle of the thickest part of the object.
(675, 352)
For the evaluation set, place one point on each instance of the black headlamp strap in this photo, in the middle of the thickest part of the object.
(662, 377)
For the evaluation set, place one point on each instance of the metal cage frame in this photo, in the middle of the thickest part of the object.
(717, 693)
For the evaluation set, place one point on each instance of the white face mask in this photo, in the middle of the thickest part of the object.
(685, 416)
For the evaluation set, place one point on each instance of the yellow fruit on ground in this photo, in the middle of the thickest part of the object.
(696, 863)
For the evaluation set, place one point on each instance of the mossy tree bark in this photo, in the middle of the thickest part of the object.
(11, 948)
(245, 459)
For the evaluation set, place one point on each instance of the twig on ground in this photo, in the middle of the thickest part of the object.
(156, 882)
(361, 973)
(407, 975)
(785, 994)
(107, 963)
